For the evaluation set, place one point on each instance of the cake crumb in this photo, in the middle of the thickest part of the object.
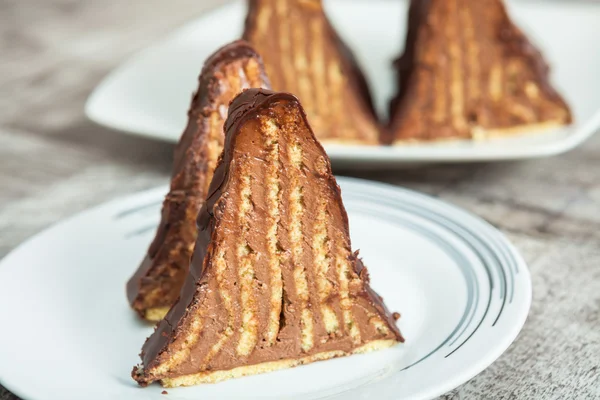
(164, 392)
(396, 316)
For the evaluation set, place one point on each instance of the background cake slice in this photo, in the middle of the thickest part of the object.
(468, 72)
(273, 281)
(157, 282)
(304, 55)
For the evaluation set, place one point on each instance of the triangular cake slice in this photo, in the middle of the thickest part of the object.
(273, 281)
(304, 55)
(156, 284)
(468, 72)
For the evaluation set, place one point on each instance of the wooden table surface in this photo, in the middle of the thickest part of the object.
(54, 163)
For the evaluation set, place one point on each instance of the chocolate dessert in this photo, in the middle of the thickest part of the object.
(157, 282)
(468, 72)
(304, 55)
(273, 281)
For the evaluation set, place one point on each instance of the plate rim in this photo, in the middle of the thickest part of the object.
(360, 184)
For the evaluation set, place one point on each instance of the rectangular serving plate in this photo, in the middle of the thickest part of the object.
(149, 94)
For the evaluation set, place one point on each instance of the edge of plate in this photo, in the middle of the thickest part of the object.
(94, 101)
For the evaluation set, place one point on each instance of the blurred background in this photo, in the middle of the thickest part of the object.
(55, 163)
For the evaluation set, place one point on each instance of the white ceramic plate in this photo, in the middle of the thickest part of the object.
(149, 95)
(68, 333)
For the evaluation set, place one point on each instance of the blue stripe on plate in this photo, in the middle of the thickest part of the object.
(467, 236)
(461, 261)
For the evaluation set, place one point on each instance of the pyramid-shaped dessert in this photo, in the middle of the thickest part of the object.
(468, 72)
(157, 282)
(273, 281)
(304, 55)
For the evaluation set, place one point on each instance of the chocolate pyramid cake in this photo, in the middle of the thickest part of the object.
(273, 282)
(157, 282)
(468, 73)
(304, 55)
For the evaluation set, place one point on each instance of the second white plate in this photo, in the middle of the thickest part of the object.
(463, 291)
(150, 93)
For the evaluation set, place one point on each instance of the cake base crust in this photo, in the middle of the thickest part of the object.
(482, 134)
(156, 314)
(218, 376)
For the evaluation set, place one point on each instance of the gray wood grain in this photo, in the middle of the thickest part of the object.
(54, 163)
